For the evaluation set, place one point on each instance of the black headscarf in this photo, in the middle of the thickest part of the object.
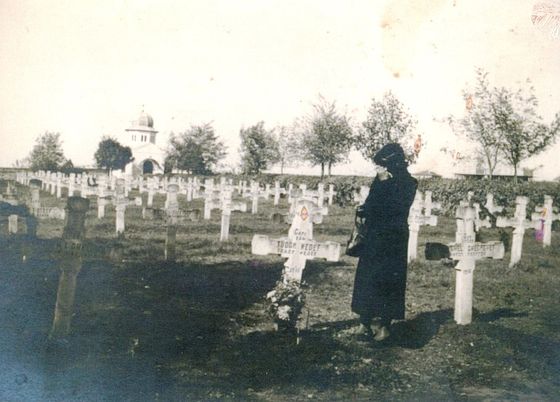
(391, 156)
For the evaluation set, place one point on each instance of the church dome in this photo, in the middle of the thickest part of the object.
(145, 120)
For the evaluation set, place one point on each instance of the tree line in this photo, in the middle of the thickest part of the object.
(502, 123)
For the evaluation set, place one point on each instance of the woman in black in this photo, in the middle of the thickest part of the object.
(380, 283)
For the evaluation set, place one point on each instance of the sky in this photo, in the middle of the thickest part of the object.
(87, 68)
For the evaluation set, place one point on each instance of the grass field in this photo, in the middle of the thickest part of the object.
(197, 329)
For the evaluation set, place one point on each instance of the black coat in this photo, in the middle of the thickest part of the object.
(380, 283)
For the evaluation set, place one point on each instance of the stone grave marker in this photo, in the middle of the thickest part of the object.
(519, 225)
(299, 246)
(467, 251)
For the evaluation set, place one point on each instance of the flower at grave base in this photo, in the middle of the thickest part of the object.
(270, 294)
(284, 312)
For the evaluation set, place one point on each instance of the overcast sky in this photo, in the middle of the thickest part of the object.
(85, 68)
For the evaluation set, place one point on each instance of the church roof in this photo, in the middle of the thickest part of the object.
(144, 123)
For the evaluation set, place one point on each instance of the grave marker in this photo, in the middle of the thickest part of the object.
(493, 209)
(71, 264)
(228, 206)
(172, 211)
(544, 216)
(415, 220)
(299, 246)
(12, 224)
(467, 251)
(519, 225)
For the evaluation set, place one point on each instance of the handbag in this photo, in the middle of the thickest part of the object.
(357, 242)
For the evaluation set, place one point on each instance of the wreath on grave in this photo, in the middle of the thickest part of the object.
(286, 304)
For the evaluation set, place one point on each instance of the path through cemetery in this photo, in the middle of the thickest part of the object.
(195, 327)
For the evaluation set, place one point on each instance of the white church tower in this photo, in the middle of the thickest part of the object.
(141, 138)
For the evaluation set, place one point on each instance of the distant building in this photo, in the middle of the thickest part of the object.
(478, 170)
(141, 137)
(425, 174)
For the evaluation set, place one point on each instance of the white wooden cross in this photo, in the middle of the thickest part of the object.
(277, 192)
(212, 200)
(544, 216)
(316, 210)
(490, 204)
(519, 225)
(71, 184)
(467, 251)
(415, 220)
(478, 223)
(12, 224)
(53, 181)
(318, 195)
(299, 246)
(121, 203)
(152, 188)
(59, 185)
(429, 205)
(331, 193)
(228, 206)
(172, 211)
(254, 194)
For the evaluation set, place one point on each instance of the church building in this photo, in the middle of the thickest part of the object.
(141, 138)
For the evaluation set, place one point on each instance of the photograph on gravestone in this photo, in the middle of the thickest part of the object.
(197, 257)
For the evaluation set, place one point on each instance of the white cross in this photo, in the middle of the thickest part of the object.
(415, 220)
(277, 192)
(299, 246)
(429, 205)
(228, 206)
(490, 204)
(544, 216)
(519, 225)
(467, 251)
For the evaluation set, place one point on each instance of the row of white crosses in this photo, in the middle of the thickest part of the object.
(466, 250)
(298, 246)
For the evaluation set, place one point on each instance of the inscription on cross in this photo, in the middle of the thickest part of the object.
(467, 251)
(299, 246)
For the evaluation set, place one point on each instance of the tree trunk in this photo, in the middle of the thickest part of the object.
(515, 173)
(322, 170)
(282, 167)
(330, 165)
